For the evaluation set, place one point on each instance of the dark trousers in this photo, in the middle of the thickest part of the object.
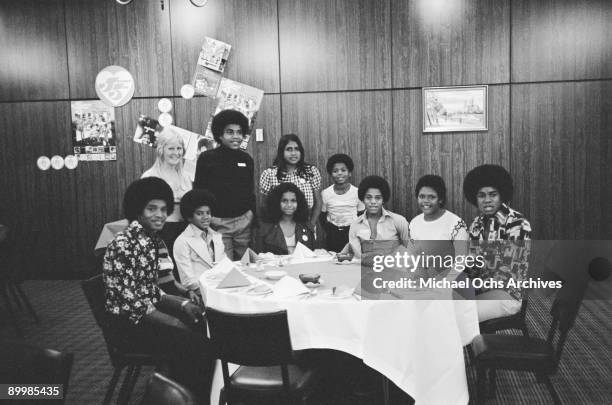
(336, 237)
(171, 335)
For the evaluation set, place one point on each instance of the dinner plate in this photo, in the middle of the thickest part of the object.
(275, 274)
(260, 289)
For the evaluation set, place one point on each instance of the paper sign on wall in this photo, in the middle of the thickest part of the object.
(114, 86)
(93, 130)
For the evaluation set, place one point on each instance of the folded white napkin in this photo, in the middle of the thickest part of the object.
(302, 252)
(234, 279)
(288, 287)
(223, 267)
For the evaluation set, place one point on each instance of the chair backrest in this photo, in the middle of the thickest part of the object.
(27, 364)
(112, 331)
(96, 297)
(251, 339)
(163, 391)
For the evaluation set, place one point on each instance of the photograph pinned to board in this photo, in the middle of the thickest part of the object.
(214, 54)
(206, 82)
(209, 69)
(241, 97)
(455, 109)
(93, 130)
(146, 131)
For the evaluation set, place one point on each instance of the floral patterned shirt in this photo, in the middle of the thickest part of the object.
(503, 260)
(130, 273)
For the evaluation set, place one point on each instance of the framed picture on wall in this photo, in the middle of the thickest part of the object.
(455, 109)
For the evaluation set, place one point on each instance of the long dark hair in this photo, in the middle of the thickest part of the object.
(302, 168)
(273, 200)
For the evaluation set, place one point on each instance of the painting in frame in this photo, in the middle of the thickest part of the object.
(455, 109)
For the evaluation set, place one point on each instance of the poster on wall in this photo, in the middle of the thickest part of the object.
(238, 96)
(214, 54)
(93, 130)
(206, 82)
(145, 132)
(209, 69)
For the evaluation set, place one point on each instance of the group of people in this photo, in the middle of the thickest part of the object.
(174, 222)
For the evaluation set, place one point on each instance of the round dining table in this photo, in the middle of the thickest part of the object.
(416, 342)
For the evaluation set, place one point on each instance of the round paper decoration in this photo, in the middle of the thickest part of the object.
(164, 105)
(124, 2)
(71, 162)
(199, 3)
(164, 119)
(57, 162)
(114, 86)
(43, 163)
(187, 91)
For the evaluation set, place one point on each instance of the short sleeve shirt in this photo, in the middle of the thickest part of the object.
(309, 184)
(341, 208)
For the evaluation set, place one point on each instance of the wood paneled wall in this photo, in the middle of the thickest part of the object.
(344, 75)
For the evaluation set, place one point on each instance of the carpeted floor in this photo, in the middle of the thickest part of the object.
(67, 325)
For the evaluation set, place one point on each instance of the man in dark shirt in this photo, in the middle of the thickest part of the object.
(227, 172)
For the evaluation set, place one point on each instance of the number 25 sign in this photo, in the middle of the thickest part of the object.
(114, 85)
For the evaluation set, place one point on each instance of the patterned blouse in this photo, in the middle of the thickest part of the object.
(309, 183)
(504, 260)
(131, 273)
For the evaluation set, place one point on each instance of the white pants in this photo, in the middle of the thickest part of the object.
(495, 304)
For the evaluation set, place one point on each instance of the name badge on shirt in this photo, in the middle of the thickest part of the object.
(241, 164)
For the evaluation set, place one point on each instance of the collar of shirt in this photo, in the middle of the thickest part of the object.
(501, 216)
(198, 232)
(363, 217)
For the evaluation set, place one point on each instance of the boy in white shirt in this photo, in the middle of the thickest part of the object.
(341, 205)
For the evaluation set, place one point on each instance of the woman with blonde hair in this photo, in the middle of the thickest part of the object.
(170, 167)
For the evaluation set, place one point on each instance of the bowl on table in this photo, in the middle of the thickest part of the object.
(344, 257)
(311, 280)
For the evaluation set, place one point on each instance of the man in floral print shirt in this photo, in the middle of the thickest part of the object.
(167, 326)
(489, 187)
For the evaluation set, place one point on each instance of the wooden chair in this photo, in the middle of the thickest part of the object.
(13, 265)
(261, 345)
(122, 353)
(523, 353)
(515, 321)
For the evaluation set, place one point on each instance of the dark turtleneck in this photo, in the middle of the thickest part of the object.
(228, 174)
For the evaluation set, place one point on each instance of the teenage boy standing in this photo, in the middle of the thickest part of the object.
(227, 172)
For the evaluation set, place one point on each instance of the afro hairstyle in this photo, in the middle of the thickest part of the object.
(374, 182)
(225, 118)
(194, 199)
(488, 176)
(436, 183)
(339, 158)
(141, 192)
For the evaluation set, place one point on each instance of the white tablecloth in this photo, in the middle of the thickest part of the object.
(417, 344)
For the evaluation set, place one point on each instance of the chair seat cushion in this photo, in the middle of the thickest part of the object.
(271, 379)
(513, 352)
(507, 322)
